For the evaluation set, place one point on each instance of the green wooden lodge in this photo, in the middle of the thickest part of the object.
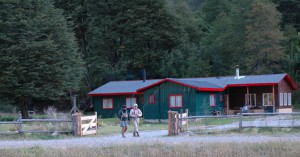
(202, 96)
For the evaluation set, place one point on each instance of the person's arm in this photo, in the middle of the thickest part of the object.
(131, 113)
(140, 113)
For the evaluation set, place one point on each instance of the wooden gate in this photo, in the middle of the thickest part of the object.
(85, 125)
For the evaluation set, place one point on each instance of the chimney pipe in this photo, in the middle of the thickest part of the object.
(237, 72)
(144, 75)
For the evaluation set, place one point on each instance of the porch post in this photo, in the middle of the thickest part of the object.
(247, 101)
(274, 106)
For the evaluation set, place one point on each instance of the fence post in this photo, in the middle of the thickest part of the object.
(241, 119)
(96, 122)
(187, 120)
(20, 129)
(180, 121)
(169, 123)
(80, 122)
(176, 123)
(76, 118)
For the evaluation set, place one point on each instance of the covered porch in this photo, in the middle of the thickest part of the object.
(258, 98)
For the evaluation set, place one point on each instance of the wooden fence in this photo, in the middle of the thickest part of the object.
(223, 123)
(77, 125)
(177, 121)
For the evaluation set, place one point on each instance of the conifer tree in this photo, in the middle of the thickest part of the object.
(38, 52)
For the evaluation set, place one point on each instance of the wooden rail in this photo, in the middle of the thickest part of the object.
(20, 123)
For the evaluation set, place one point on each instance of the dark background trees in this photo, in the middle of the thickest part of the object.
(50, 48)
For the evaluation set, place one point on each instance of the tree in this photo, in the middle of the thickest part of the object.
(225, 35)
(128, 36)
(264, 38)
(39, 58)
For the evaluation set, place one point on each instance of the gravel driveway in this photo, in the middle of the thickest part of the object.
(146, 137)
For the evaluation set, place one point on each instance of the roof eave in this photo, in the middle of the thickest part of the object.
(115, 94)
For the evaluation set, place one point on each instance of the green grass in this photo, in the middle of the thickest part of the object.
(111, 126)
(274, 149)
(213, 121)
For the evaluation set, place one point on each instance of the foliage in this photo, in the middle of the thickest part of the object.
(264, 52)
(39, 58)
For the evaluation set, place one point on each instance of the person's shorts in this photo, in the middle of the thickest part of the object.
(123, 123)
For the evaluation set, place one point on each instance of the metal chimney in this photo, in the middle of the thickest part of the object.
(237, 71)
(144, 75)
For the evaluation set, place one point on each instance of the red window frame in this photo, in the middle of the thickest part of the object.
(112, 104)
(175, 95)
(152, 99)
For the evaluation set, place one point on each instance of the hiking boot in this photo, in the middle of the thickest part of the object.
(137, 134)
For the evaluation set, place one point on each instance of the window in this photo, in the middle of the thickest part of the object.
(285, 99)
(250, 99)
(212, 100)
(221, 98)
(130, 102)
(281, 99)
(175, 101)
(267, 99)
(152, 99)
(289, 99)
(107, 103)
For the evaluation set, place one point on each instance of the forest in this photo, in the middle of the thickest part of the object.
(53, 49)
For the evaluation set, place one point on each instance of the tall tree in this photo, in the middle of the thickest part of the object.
(126, 36)
(263, 45)
(39, 58)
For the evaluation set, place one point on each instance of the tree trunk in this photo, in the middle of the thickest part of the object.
(24, 108)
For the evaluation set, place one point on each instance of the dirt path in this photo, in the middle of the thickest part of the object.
(148, 137)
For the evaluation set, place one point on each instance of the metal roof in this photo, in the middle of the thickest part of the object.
(201, 84)
(122, 87)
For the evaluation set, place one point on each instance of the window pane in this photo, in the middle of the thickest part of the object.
(281, 99)
(212, 100)
(178, 101)
(270, 99)
(172, 101)
(265, 97)
(252, 99)
(285, 99)
(289, 99)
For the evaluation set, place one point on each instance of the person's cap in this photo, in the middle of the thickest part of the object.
(124, 106)
(135, 105)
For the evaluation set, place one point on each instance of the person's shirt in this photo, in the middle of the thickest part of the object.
(245, 108)
(135, 113)
(123, 115)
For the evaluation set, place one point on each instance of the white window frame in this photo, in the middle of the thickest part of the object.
(269, 97)
(289, 99)
(249, 97)
(107, 103)
(285, 99)
(130, 102)
(175, 101)
(212, 100)
(280, 99)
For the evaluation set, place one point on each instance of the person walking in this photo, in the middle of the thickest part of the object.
(123, 116)
(135, 114)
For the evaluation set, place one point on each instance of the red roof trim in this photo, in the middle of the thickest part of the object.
(152, 85)
(290, 81)
(115, 94)
(254, 84)
(211, 89)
